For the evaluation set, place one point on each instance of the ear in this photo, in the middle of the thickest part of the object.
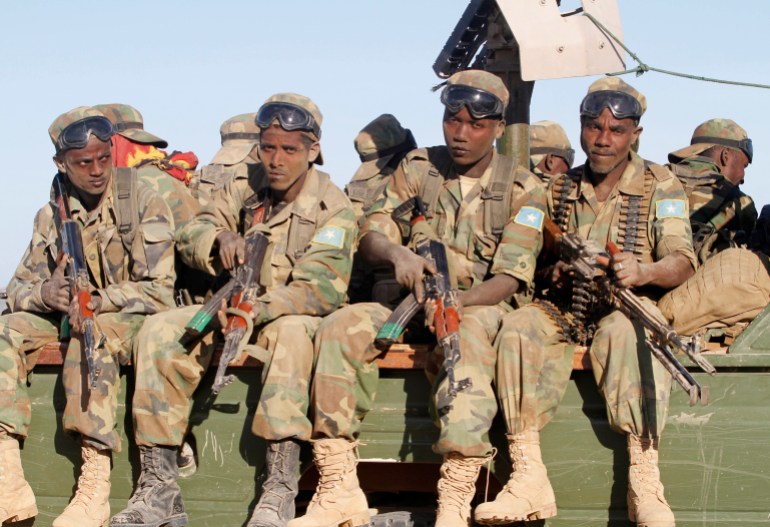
(500, 129)
(724, 157)
(549, 162)
(637, 133)
(313, 152)
(59, 162)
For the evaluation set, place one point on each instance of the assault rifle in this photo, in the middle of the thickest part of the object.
(240, 292)
(438, 289)
(72, 250)
(589, 261)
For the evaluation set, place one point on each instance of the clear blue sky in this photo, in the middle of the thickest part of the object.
(189, 65)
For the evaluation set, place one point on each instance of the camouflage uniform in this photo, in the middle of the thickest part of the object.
(614, 350)
(475, 255)
(548, 137)
(311, 240)
(128, 123)
(721, 215)
(238, 155)
(381, 145)
(131, 286)
(732, 285)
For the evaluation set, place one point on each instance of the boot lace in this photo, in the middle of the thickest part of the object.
(87, 488)
(458, 482)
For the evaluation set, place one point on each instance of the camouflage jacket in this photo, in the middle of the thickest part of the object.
(664, 230)
(183, 205)
(212, 177)
(721, 215)
(139, 282)
(458, 221)
(311, 243)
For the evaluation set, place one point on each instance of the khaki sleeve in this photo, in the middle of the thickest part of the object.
(669, 221)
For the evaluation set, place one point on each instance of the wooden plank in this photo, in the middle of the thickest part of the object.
(398, 357)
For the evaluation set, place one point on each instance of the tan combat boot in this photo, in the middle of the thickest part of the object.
(528, 495)
(338, 500)
(646, 504)
(456, 488)
(90, 507)
(17, 502)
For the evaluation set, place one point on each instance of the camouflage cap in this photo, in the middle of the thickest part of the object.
(68, 118)
(618, 84)
(128, 122)
(715, 132)
(548, 137)
(378, 142)
(483, 80)
(306, 104)
(239, 134)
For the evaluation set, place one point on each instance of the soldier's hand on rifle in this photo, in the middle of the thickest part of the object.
(627, 270)
(56, 290)
(76, 320)
(409, 270)
(232, 249)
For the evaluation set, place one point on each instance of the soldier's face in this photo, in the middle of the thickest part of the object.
(468, 139)
(607, 141)
(89, 168)
(287, 158)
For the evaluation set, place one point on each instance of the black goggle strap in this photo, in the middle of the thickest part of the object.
(250, 136)
(745, 145)
(123, 126)
(568, 154)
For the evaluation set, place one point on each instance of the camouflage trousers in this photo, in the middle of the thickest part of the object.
(91, 413)
(346, 375)
(730, 288)
(167, 374)
(535, 361)
(465, 420)
(534, 364)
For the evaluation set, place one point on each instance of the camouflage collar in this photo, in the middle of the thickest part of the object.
(309, 196)
(698, 165)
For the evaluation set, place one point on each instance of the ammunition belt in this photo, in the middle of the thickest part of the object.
(634, 211)
(562, 188)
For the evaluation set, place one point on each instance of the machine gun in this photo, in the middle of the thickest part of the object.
(72, 250)
(590, 262)
(438, 289)
(241, 292)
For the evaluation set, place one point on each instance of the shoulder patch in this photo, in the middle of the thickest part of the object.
(530, 217)
(670, 208)
(334, 236)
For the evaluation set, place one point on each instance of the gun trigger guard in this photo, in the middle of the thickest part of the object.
(249, 324)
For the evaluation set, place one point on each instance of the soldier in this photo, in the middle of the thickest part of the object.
(133, 146)
(381, 145)
(550, 152)
(489, 215)
(616, 196)
(732, 284)
(711, 170)
(239, 152)
(130, 278)
(311, 228)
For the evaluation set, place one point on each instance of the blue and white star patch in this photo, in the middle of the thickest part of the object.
(670, 208)
(334, 236)
(530, 217)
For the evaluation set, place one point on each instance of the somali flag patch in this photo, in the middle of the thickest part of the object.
(670, 208)
(333, 236)
(530, 217)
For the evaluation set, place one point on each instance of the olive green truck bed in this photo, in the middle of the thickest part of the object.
(715, 460)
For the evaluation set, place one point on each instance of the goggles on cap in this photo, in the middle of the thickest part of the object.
(76, 134)
(290, 116)
(622, 105)
(480, 103)
(745, 145)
